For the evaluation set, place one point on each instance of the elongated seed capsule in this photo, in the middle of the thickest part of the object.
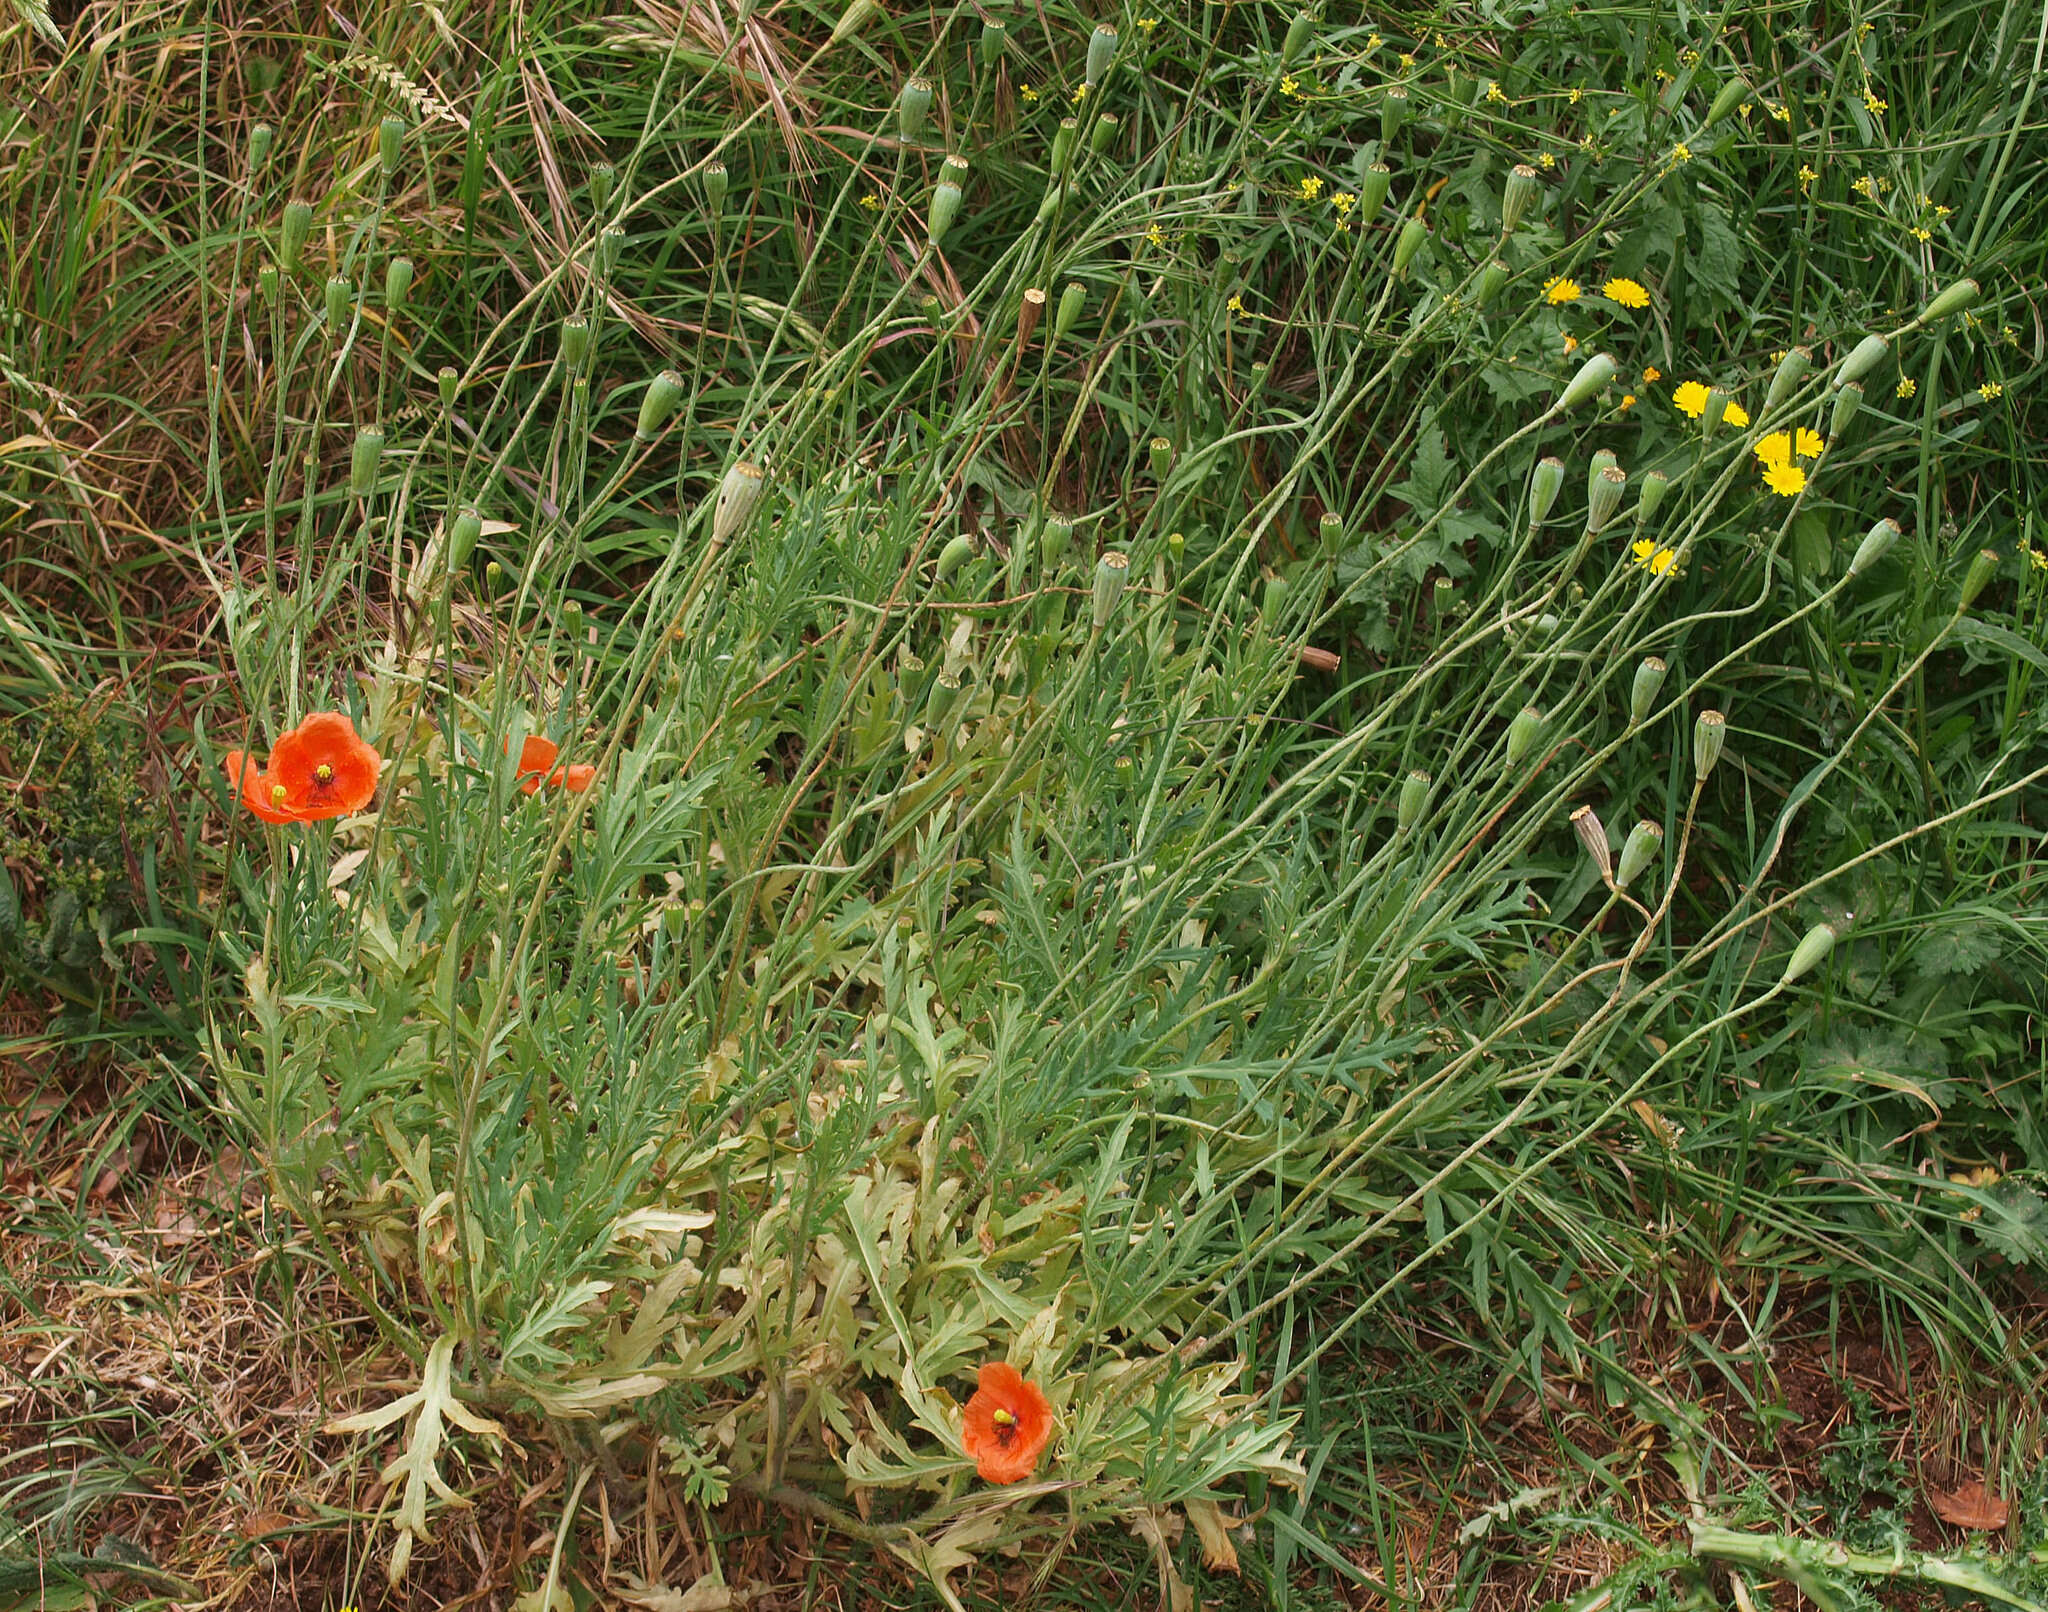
(1030, 309)
(575, 340)
(363, 460)
(1847, 402)
(854, 18)
(912, 106)
(738, 492)
(1594, 374)
(1785, 379)
(463, 532)
(1545, 483)
(1274, 604)
(1650, 493)
(1100, 136)
(1330, 534)
(1523, 733)
(1876, 544)
(657, 403)
(1863, 358)
(1983, 566)
(1715, 414)
(390, 144)
(1522, 186)
(1726, 100)
(1709, 735)
(1603, 459)
(1413, 234)
(266, 284)
(1160, 452)
(340, 298)
(1958, 298)
(1297, 36)
(1055, 540)
(449, 381)
(611, 242)
(1491, 279)
(1643, 691)
(1637, 851)
(260, 138)
(1112, 571)
(397, 282)
(1101, 52)
(938, 705)
(1593, 836)
(1372, 190)
(603, 176)
(1393, 113)
(995, 38)
(291, 239)
(716, 181)
(1072, 300)
(1605, 500)
(957, 552)
(1413, 798)
(946, 198)
(1063, 139)
(1813, 947)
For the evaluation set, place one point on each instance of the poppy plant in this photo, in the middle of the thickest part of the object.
(320, 769)
(537, 765)
(1007, 1424)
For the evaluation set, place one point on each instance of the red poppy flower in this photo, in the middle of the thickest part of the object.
(537, 764)
(320, 769)
(1007, 1424)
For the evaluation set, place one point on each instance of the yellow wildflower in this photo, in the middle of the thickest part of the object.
(1156, 235)
(1558, 290)
(1494, 92)
(1652, 375)
(1027, 92)
(1311, 187)
(1628, 401)
(1236, 303)
(1643, 549)
(1571, 344)
(871, 202)
(1989, 390)
(1807, 176)
(1629, 293)
(1343, 201)
(1691, 398)
(1688, 57)
(1546, 161)
(1782, 113)
(1775, 449)
(1865, 187)
(1788, 481)
(1877, 107)
(1373, 41)
(1662, 561)
(1906, 388)
(1147, 24)
(1290, 86)
(1921, 233)
(1576, 96)
(1736, 415)
(1407, 60)
(1681, 152)
(1808, 444)
(1080, 93)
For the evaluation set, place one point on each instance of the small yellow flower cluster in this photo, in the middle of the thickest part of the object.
(1866, 187)
(1807, 175)
(1407, 61)
(1628, 293)
(1906, 388)
(871, 202)
(1030, 95)
(1311, 187)
(1649, 557)
(1577, 95)
(1343, 201)
(1546, 161)
(1681, 153)
(1373, 41)
(1990, 390)
(1291, 86)
(2038, 560)
(1652, 375)
(1921, 233)
(1080, 93)
(1155, 235)
(1571, 344)
(1147, 24)
(1876, 105)
(1691, 399)
(1495, 93)
(1558, 290)
(1236, 303)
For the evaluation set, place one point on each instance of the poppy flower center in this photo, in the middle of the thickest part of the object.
(1006, 1427)
(277, 794)
(323, 774)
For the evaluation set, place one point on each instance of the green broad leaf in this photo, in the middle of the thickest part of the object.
(1812, 545)
(1965, 948)
(1431, 473)
(2014, 1222)
(1716, 262)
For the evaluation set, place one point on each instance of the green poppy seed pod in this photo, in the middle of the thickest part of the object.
(1523, 733)
(1808, 955)
(1372, 190)
(340, 298)
(1715, 415)
(854, 18)
(1055, 541)
(1274, 603)
(1522, 186)
(363, 460)
(1726, 100)
(1413, 798)
(390, 144)
(1393, 113)
(603, 177)
(912, 107)
(291, 240)
(1330, 534)
(1785, 379)
(1642, 693)
(1413, 234)
(1864, 357)
(575, 340)
(1644, 841)
(946, 199)
(1876, 544)
(450, 382)
(1255, 382)
(939, 703)
(1160, 452)
(1112, 571)
(397, 282)
(260, 139)
(995, 39)
(952, 557)
(1650, 493)
(1443, 596)
(266, 283)
(1594, 374)
(715, 181)
(1063, 139)
(657, 403)
(1593, 836)
(1604, 500)
(1297, 36)
(1100, 136)
(1958, 298)
(1101, 52)
(738, 493)
(1982, 568)
(1709, 736)
(1491, 279)
(611, 242)
(1545, 483)
(463, 532)
(1072, 301)
(1603, 459)
(1847, 401)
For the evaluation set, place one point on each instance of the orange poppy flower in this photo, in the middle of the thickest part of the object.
(320, 769)
(537, 765)
(1007, 1424)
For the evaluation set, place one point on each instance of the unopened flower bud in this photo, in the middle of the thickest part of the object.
(1593, 836)
(575, 340)
(1729, 97)
(397, 282)
(1958, 298)
(1982, 568)
(912, 106)
(1372, 190)
(1393, 113)
(1055, 540)
(363, 460)
(1876, 544)
(1112, 571)
(715, 182)
(1604, 498)
(1072, 300)
(738, 492)
(266, 283)
(1274, 604)
(1847, 401)
(449, 381)
(1176, 548)
(390, 144)
(260, 138)
(1413, 234)
(946, 198)
(1863, 358)
(1594, 374)
(1063, 139)
(463, 532)
(1522, 185)
(1785, 379)
(1160, 452)
(340, 298)
(1709, 735)
(1644, 841)
(291, 239)
(1544, 485)
(1808, 955)
(1330, 534)
(1523, 733)
(657, 403)
(1100, 136)
(1642, 693)
(603, 176)
(611, 242)
(1413, 798)
(1101, 52)
(957, 552)
(1650, 493)
(1491, 279)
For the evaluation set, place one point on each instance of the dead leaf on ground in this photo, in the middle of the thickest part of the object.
(1971, 1506)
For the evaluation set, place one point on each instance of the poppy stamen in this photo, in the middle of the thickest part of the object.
(324, 773)
(277, 795)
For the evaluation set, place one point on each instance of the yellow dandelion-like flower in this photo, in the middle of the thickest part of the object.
(1906, 388)
(1644, 550)
(1808, 444)
(1652, 375)
(1736, 415)
(1629, 293)
(1662, 561)
(1788, 481)
(1343, 201)
(1775, 449)
(1691, 398)
(1628, 401)
(1989, 390)
(1311, 187)
(1558, 290)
